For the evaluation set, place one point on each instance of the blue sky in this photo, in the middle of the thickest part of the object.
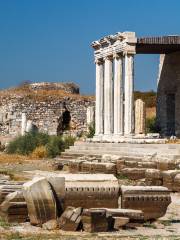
(49, 40)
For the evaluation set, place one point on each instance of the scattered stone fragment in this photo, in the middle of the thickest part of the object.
(40, 201)
(70, 219)
(14, 208)
(94, 220)
(153, 177)
(153, 201)
(91, 190)
(119, 222)
(50, 225)
(9, 187)
(168, 178)
(134, 173)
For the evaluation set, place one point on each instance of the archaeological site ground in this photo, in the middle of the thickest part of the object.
(94, 167)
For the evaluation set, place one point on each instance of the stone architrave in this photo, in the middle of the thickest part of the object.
(140, 117)
(40, 201)
(90, 115)
(23, 124)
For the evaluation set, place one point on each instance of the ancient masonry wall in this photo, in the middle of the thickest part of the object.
(168, 95)
(46, 114)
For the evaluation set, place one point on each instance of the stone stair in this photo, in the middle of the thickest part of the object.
(121, 149)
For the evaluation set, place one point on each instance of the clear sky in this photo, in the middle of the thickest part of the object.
(49, 40)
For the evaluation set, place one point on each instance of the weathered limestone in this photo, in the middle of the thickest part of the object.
(119, 222)
(96, 167)
(9, 187)
(153, 201)
(90, 115)
(70, 219)
(118, 95)
(140, 117)
(14, 208)
(40, 201)
(134, 173)
(153, 177)
(23, 124)
(111, 49)
(128, 93)
(168, 178)
(94, 220)
(108, 96)
(99, 123)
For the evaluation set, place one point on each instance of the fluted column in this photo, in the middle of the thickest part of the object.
(99, 114)
(108, 96)
(129, 92)
(118, 95)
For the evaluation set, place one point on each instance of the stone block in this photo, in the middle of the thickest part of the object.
(91, 190)
(75, 166)
(153, 201)
(119, 222)
(168, 178)
(50, 225)
(131, 164)
(94, 220)
(14, 208)
(70, 219)
(177, 183)
(153, 177)
(147, 165)
(57, 184)
(40, 201)
(120, 164)
(165, 164)
(134, 173)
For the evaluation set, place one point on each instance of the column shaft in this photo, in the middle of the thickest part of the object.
(129, 92)
(99, 117)
(108, 96)
(118, 95)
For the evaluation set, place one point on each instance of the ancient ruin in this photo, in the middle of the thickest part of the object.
(114, 55)
(53, 108)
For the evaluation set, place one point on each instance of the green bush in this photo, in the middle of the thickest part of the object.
(55, 146)
(27, 144)
(91, 130)
(151, 125)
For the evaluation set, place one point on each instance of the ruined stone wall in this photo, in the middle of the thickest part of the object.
(46, 112)
(168, 95)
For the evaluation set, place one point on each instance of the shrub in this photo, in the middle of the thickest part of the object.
(39, 152)
(55, 146)
(151, 125)
(68, 141)
(26, 144)
(91, 130)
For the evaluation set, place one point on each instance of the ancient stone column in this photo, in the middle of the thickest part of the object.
(90, 115)
(140, 117)
(129, 99)
(108, 96)
(23, 124)
(99, 126)
(118, 95)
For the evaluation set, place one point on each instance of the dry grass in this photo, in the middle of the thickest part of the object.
(40, 95)
(14, 158)
(150, 112)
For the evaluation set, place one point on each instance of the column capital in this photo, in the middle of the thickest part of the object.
(108, 57)
(99, 61)
(117, 55)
